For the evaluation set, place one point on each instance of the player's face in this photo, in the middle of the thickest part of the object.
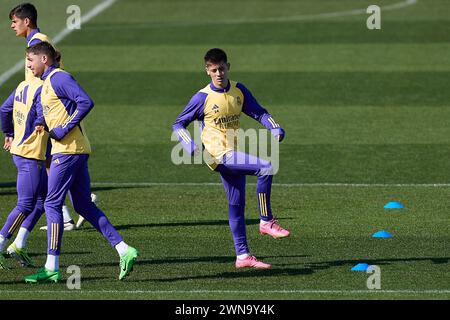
(218, 73)
(19, 26)
(36, 63)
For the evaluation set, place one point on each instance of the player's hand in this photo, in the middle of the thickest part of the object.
(8, 143)
(280, 137)
(57, 133)
(278, 134)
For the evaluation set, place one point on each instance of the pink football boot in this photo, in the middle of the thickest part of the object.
(273, 228)
(251, 262)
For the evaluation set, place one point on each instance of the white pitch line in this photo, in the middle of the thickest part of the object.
(235, 291)
(58, 38)
(288, 185)
(354, 12)
(307, 17)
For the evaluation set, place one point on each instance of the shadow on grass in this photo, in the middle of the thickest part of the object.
(183, 260)
(11, 184)
(178, 224)
(9, 193)
(248, 273)
(185, 224)
(378, 262)
(7, 185)
(44, 254)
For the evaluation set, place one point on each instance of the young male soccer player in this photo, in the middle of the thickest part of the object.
(218, 106)
(64, 105)
(28, 147)
(24, 22)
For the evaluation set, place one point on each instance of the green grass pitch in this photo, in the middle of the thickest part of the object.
(366, 114)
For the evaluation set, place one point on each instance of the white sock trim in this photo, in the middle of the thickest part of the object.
(22, 237)
(243, 256)
(121, 248)
(66, 214)
(52, 263)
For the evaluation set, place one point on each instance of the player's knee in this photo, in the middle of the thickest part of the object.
(84, 208)
(26, 207)
(52, 205)
(266, 170)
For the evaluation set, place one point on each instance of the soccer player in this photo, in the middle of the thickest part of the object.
(27, 142)
(24, 22)
(64, 105)
(218, 106)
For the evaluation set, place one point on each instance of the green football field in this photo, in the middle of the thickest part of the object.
(367, 120)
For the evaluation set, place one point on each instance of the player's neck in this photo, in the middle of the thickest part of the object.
(223, 85)
(29, 31)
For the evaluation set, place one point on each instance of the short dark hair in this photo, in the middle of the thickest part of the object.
(25, 10)
(46, 49)
(215, 55)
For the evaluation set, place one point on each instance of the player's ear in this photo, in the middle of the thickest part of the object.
(207, 71)
(27, 22)
(228, 65)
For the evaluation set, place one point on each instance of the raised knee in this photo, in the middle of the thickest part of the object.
(266, 170)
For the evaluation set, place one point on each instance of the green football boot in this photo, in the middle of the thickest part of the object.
(20, 255)
(44, 275)
(127, 262)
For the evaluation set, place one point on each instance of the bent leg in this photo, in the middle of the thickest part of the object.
(83, 205)
(28, 182)
(239, 163)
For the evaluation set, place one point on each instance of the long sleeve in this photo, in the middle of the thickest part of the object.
(253, 109)
(74, 96)
(6, 112)
(40, 120)
(193, 111)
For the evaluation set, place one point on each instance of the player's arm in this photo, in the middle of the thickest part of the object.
(66, 87)
(6, 113)
(193, 111)
(253, 109)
